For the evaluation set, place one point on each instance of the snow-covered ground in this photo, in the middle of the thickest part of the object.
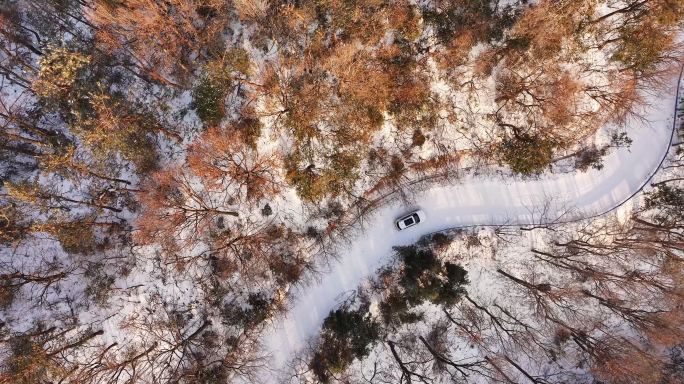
(479, 202)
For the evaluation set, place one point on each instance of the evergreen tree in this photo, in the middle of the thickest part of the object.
(347, 335)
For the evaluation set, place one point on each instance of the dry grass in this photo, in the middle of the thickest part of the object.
(251, 9)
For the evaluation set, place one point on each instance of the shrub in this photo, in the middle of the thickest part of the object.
(258, 311)
(60, 69)
(641, 47)
(99, 287)
(669, 200)
(28, 363)
(286, 268)
(251, 130)
(208, 99)
(527, 154)
(347, 335)
(77, 238)
(7, 292)
(342, 173)
(267, 210)
(395, 310)
(305, 181)
(338, 177)
(440, 240)
(418, 138)
(212, 374)
(452, 290)
(590, 157)
(425, 278)
(416, 262)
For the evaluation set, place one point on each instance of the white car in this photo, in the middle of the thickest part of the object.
(410, 220)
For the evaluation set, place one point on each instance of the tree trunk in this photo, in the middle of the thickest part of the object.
(76, 344)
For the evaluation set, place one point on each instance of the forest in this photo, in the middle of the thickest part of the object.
(173, 173)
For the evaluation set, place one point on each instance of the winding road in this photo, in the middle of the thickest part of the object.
(481, 202)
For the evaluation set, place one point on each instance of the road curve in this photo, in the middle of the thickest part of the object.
(481, 202)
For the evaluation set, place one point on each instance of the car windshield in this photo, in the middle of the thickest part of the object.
(415, 216)
(408, 221)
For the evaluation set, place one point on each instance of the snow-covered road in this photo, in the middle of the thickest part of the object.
(478, 202)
